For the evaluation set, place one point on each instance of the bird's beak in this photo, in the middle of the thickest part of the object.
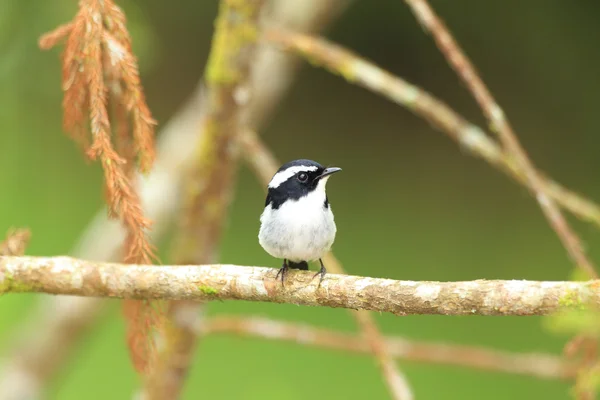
(329, 171)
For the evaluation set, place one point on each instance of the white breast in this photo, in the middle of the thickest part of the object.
(299, 230)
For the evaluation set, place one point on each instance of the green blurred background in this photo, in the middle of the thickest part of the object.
(409, 205)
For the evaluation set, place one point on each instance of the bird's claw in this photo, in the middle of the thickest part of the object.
(282, 271)
(321, 272)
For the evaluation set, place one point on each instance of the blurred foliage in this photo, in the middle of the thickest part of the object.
(409, 204)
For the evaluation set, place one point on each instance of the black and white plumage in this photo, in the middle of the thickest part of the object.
(297, 224)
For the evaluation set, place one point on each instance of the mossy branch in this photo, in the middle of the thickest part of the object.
(209, 185)
(70, 276)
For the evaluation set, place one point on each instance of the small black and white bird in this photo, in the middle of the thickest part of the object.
(297, 224)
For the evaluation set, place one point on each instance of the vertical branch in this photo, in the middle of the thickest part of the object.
(501, 126)
(264, 164)
(209, 185)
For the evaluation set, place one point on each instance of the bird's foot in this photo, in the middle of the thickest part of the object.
(282, 271)
(321, 272)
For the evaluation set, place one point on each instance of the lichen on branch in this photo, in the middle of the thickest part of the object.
(70, 276)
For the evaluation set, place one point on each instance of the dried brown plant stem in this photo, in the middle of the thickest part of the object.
(538, 365)
(99, 68)
(211, 180)
(36, 359)
(469, 136)
(501, 126)
(77, 277)
(265, 165)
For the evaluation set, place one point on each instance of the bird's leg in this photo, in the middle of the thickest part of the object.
(283, 270)
(321, 272)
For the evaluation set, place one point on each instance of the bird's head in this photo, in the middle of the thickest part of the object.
(299, 178)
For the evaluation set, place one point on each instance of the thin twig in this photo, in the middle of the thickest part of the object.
(538, 365)
(469, 136)
(71, 276)
(395, 379)
(501, 126)
(275, 71)
(504, 131)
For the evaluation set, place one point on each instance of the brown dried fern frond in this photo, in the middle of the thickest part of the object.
(98, 70)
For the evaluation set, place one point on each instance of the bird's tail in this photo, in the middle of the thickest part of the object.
(302, 265)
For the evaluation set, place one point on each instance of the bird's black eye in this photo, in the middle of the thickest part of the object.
(303, 177)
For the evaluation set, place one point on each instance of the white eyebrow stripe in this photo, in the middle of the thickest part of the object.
(286, 174)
